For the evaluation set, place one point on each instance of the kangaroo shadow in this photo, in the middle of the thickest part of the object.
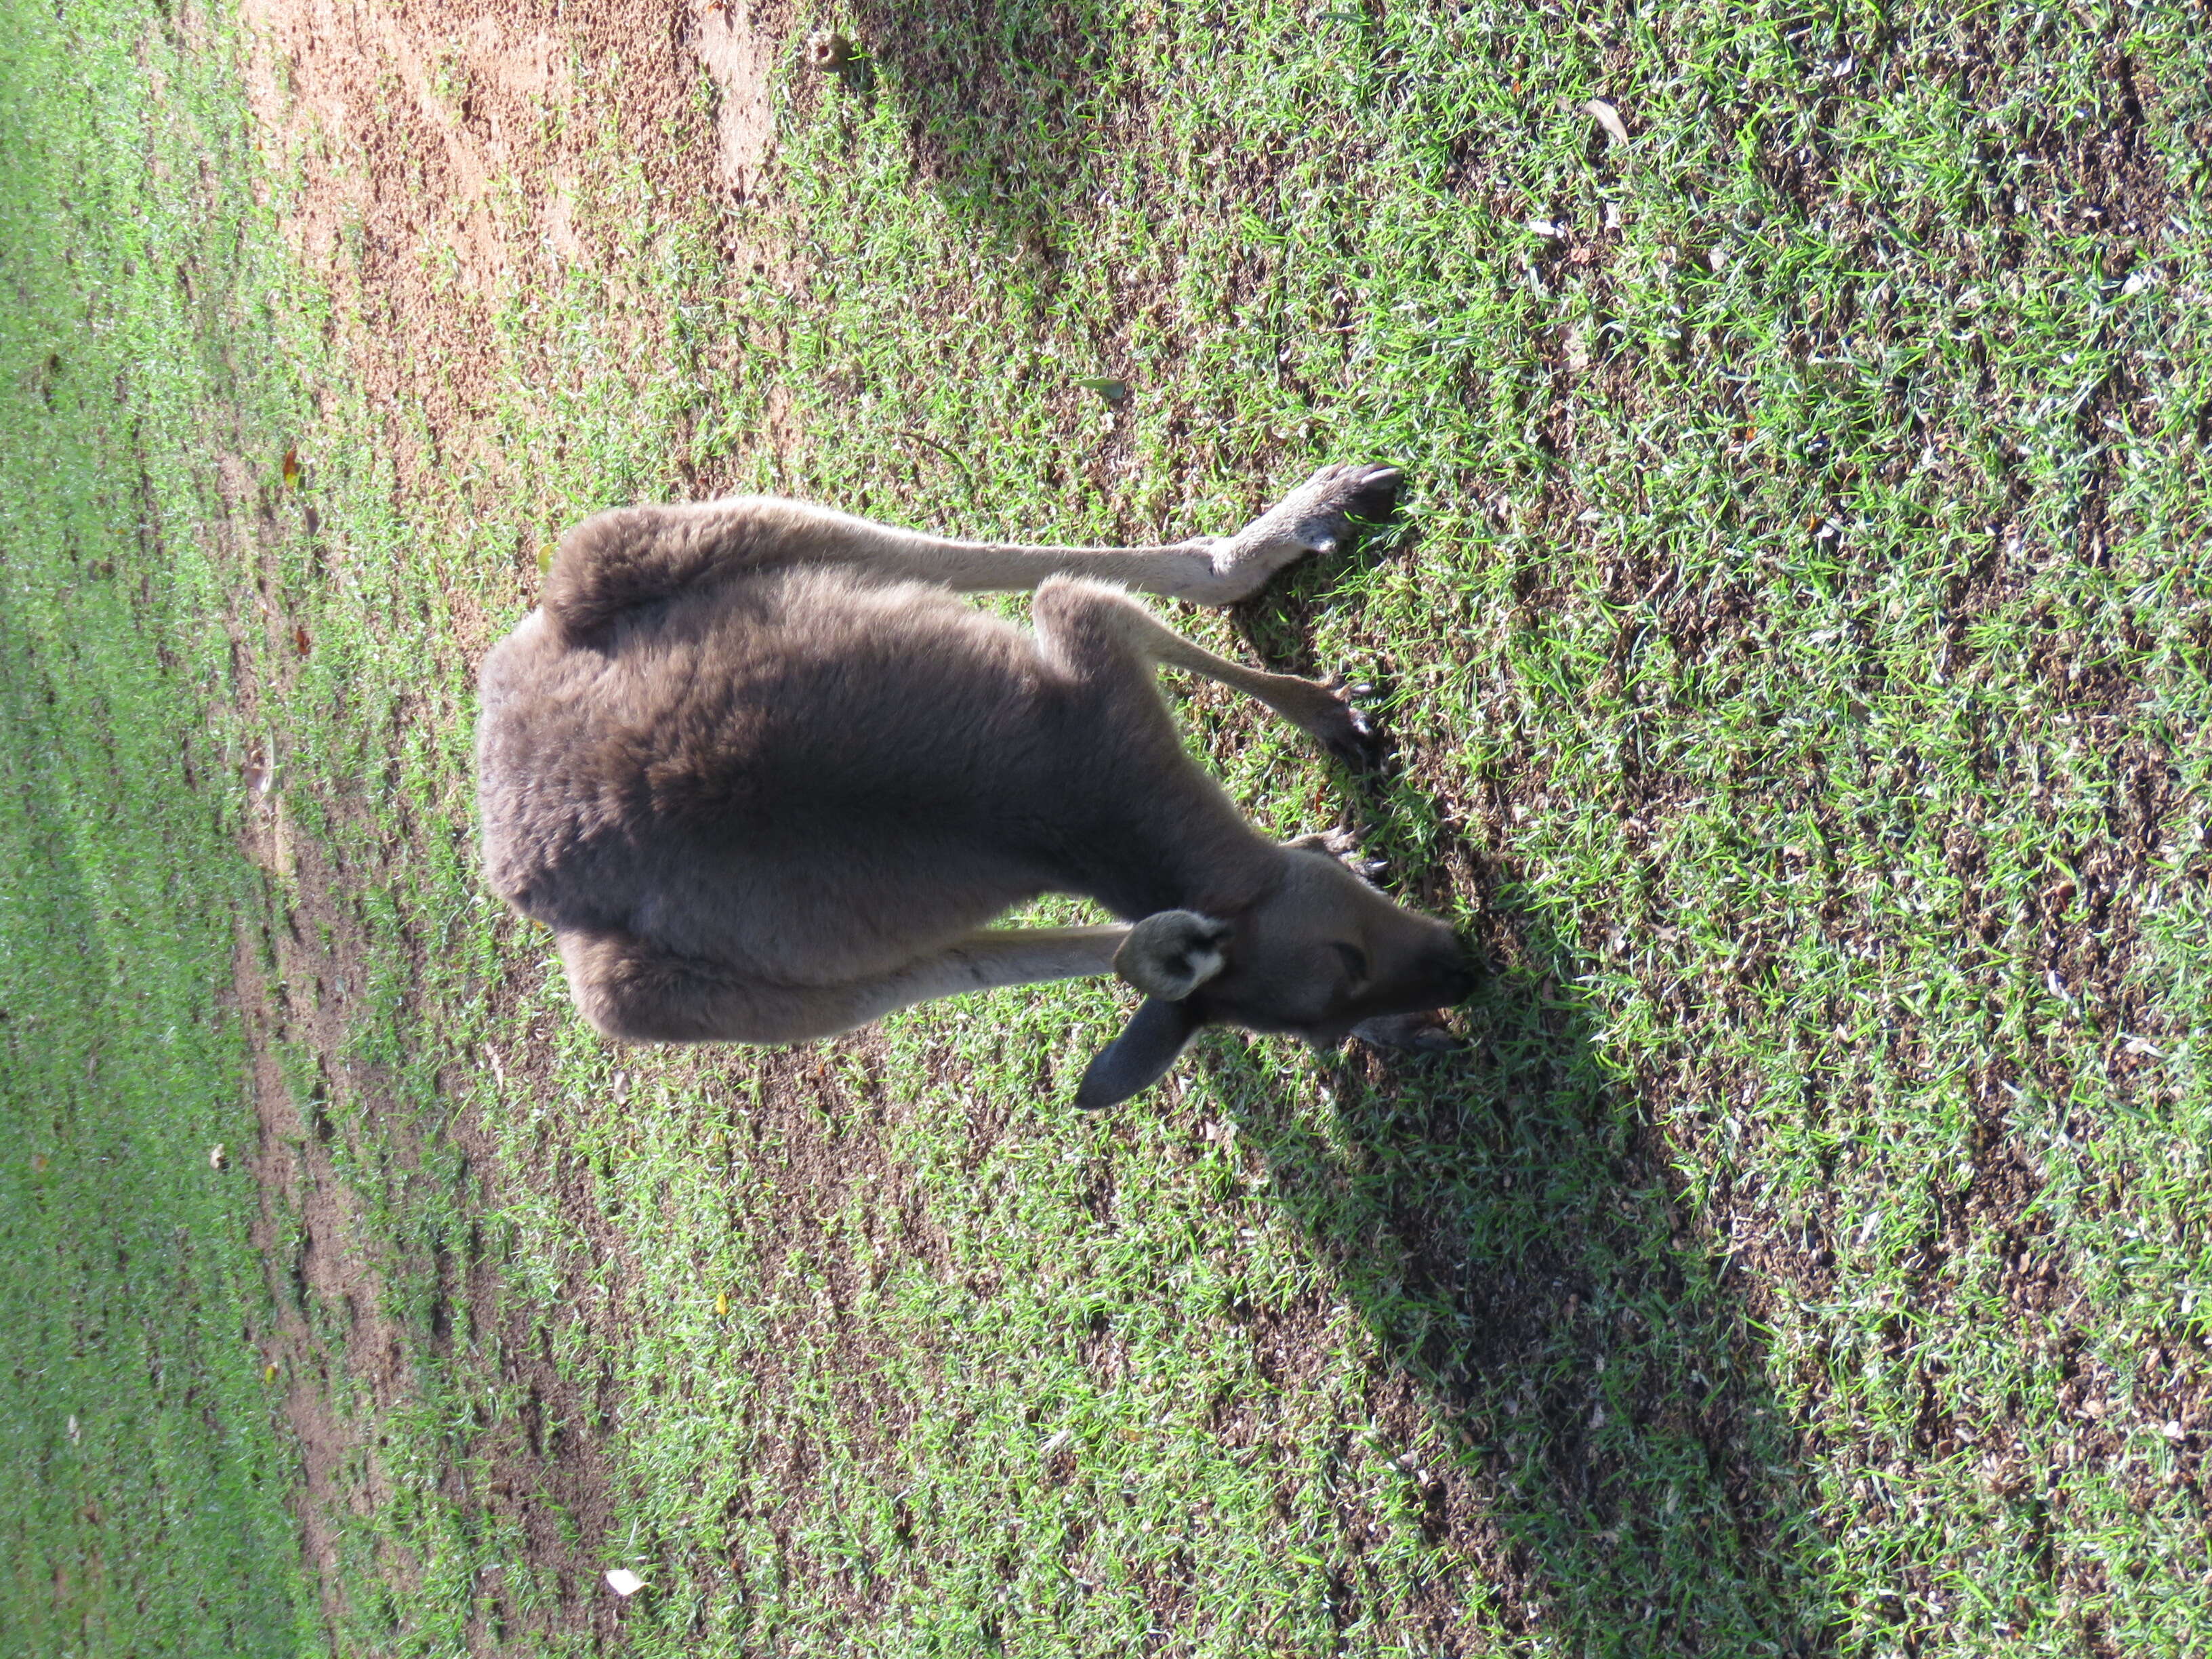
(1004, 102)
(1505, 1221)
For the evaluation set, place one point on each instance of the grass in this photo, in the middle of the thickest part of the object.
(1796, 650)
(147, 1504)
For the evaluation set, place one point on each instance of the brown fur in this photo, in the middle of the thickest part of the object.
(765, 785)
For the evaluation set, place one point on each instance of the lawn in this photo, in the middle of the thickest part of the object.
(1794, 645)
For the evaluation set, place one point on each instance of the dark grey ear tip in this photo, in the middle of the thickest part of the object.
(1091, 1097)
(1139, 1057)
(1097, 1091)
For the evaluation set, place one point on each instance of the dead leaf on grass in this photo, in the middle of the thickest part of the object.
(218, 1157)
(292, 470)
(624, 1582)
(1114, 393)
(826, 52)
(301, 642)
(1608, 117)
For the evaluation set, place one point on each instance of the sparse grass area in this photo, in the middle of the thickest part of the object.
(1796, 647)
(146, 1507)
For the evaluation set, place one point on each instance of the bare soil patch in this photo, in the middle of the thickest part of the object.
(309, 1236)
(439, 152)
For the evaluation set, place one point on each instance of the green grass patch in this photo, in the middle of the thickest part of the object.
(147, 1508)
(1796, 650)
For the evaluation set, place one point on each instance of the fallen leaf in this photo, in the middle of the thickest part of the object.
(1608, 117)
(623, 1581)
(545, 558)
(218, 1157)
(292, 469)
(268, 1373)
(721, 1305)
(301, 642)
(826, 52)
(1116, 392)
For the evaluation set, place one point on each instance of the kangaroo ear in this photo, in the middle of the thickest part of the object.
(1139, 1057)
(1170, 953)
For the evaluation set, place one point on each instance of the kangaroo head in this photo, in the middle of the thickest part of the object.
(1318, 953)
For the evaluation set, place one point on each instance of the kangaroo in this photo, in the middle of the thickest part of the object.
(767, 779)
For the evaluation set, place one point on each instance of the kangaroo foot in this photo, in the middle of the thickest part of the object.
(1314, 517)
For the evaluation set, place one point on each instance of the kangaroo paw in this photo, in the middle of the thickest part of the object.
(1420, 1034)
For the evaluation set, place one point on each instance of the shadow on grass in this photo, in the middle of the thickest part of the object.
(1004, 103)
(1505, 1221)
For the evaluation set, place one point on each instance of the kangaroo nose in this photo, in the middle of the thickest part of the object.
(1456, 973)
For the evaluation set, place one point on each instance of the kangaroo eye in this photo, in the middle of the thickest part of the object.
(1355, 961)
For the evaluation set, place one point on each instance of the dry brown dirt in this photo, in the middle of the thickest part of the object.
(432, 153)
